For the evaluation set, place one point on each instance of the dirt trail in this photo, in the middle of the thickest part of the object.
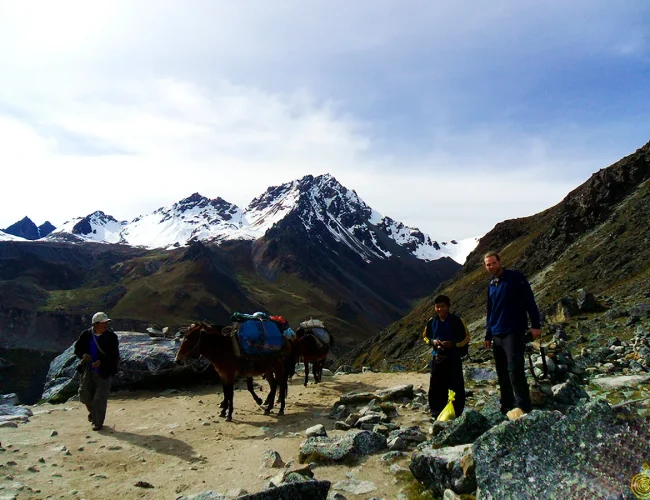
(177, 443)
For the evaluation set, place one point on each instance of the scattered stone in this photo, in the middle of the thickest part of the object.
(350, 446)
(271, 459)
(316, 430)
(341, 426)
(115, 447)
(143, 484)
(397, 444)
(462, 430)
(8, 424)
(355, 486)
(621, 382)
(54, 433)
(569, 393)
(444, 468)
(396, 393)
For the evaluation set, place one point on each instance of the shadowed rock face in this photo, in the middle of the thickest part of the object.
(144, 363)
(588, 453)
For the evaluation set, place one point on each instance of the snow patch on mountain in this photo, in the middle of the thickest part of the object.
(321, 203)
(193, 218)
(97, 227)
(10, 237)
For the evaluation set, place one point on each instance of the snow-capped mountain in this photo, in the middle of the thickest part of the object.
(94, 227)
(10, 237)
(26, 229)
(313, 201)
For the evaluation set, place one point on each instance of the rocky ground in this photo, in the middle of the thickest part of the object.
(380, 443)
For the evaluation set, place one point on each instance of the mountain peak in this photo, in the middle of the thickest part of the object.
(24, 228)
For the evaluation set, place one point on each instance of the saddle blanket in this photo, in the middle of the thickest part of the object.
(260, 337)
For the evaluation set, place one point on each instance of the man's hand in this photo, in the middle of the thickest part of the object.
(86, 358)
(487, 344)
(537, 333)
(96, 364)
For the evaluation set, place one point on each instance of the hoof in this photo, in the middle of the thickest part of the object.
(229, 418)
(222, 414)
(280, 413)
(267, 412)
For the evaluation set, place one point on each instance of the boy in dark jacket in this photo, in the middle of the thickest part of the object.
(446, 333)
(98, 348)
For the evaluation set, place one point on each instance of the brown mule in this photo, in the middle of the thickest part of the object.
(208, 341)
(311, 351)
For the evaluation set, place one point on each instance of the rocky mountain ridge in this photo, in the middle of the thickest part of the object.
(595, 240)
(313, 200)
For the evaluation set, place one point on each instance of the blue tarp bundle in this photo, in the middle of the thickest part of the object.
(258, 337)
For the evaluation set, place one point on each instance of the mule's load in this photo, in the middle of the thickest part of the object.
(316, 328)
(257, 334)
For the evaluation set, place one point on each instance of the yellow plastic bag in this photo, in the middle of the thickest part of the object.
(448, 412)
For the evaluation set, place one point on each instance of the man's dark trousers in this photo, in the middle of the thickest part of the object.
(444, 376)
(509, 361)
(100, 388)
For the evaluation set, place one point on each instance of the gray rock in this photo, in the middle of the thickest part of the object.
(444, 468)
(621, 382)
(450, 495)
(355, 486)
(411, 436)
(492, 412)
(348, 447)
(335, 495)
(341, 426)
(314, 490)
(462, 430)
(272, 459)
(397, 444)
(316, 430)
(567, 456)
(10, 399)
(354, 398)
(475, 373)
(587, 302)
(569, 393)
(8, 424)
(206, 495)
(640, 310)
(141, 362)
(391, 456)
(396, 393)
(368, 420)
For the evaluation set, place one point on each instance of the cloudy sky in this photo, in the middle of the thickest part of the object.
(450, 116)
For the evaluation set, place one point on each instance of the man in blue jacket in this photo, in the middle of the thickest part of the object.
(510, 302)
(447, 334)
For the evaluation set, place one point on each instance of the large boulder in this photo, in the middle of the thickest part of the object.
(462, 430)
(145, 363)
(587, 453)
(444, 468)
(346, 448)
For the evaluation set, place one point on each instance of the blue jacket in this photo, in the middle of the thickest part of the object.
(509, 300)
(453, 328)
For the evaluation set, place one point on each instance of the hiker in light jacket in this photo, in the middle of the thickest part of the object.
(98, 349)
(446, 333)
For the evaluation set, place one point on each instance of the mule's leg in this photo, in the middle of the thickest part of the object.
(231, 397)
(224, 403)
(251, 389)
(283, 392)
(271, 398)
(269, 378)
(307, 372)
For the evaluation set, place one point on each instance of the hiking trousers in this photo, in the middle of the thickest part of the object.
(510, 366)
(444, 376)
(98, 388)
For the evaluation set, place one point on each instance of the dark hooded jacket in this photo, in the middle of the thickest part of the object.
(108, 342)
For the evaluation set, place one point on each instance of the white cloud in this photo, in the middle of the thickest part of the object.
(128, 106)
